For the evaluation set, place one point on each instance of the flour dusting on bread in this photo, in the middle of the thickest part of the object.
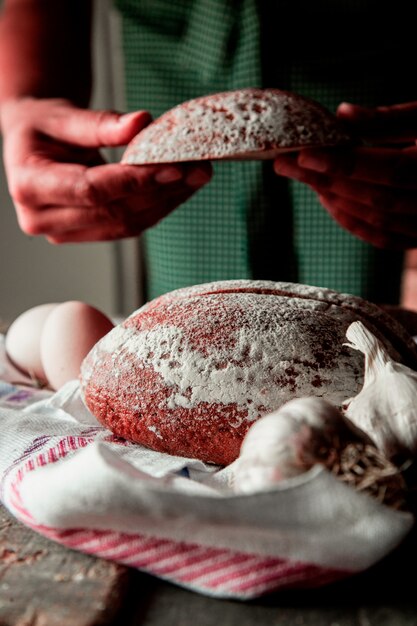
(242, 124)
(190, 371)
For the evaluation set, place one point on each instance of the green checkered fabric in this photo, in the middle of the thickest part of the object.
(249, 223)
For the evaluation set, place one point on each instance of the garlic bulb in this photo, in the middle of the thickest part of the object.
(287, 442)
(386, 407)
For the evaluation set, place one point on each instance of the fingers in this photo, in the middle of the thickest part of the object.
(63, 189)
(383, 166)
(62, 121)
(72, 184)
(113, 222)
(110, 205)
(396, 123)
(384, 216)
(378, 197)
(382, 233)
(90, 128)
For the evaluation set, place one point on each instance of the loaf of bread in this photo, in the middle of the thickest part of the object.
(243, 124)
(190, 371)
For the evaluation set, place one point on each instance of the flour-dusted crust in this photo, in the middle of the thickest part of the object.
(189, 372)
(243, 124)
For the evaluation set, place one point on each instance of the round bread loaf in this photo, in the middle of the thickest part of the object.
(190, 371)
(243, 124)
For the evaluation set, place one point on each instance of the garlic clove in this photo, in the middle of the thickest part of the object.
(288, 442)
(310, 431)
(386, 407)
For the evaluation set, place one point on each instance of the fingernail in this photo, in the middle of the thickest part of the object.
(354, 111)
(168, 175)
(143, 116)
(282, 166)
(126, 117)
(197, 177)
(345, 108)
(316, 162)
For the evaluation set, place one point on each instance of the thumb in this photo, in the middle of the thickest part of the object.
(91, 128)
(396, 123)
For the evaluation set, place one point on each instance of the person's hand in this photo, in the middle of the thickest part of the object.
(369, 190)
(63, 189)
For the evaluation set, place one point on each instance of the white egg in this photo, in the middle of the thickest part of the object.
(70, 332)
(23, 340)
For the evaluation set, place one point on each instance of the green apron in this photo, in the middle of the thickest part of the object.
(249, 223)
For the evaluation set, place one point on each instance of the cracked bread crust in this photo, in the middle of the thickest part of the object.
(190, 371)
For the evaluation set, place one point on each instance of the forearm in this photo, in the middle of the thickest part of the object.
(45, 49)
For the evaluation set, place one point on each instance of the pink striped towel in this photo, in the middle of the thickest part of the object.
(71, 480)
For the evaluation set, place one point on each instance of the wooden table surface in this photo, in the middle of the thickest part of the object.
(45, 584)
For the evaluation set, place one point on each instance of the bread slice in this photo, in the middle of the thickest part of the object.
(244, 124)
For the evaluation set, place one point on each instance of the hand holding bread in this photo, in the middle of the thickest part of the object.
(62, 187)
(370, 190)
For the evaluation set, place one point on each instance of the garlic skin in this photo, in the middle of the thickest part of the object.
(386, 407)
(286, 443)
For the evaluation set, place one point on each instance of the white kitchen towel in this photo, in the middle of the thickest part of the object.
(72, 480)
